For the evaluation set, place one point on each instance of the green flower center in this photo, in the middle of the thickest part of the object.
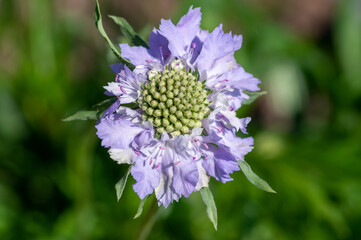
(174, 101)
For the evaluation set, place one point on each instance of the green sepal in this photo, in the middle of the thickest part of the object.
(253, 178)
(252, 96)
(208, 199)
(119, 187)
(140, 207)
(129, 32)
(99, 25)
(84, 115)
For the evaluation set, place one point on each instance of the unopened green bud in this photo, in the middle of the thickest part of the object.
(180, 95)
(157, 122)
(191, 123)
(177, 84)
(193, 101)
(185, 130)
(196, 108)
(165, 122)
(181, 107)
(185, 121)
(176, 101)
(175, 91)
(172, 109)
(161, 105)
(179, 114)
(169, 128)
(170, 95)
(162, 89)
(163, 98)
(160, 129)
(176, 77)
(182, 89)
(154, 103)
(195, 115)
(170, 81)
(156, 95)
(144, 117)
(151, 119)
(148, 98)
(169, 103)
(173, 118)
(162, 83)
(150, 111)
(188, 114)
(198, 123)
(178, 125)
(175, 133)
(157, 113)
(165, 113)
(164, 78)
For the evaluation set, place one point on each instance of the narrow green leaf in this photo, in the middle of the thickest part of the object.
(253, 96)
(119, 187)
(129, 32)
(84, 115)
(141, 205)
(253, 178)
(211, 205)
(99, 25)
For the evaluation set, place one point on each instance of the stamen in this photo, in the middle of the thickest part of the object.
(157, 166)
(122, 89)
(151, 161)
(176, 163)
(205, 145)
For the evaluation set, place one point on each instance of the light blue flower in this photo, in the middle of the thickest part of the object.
(186, 87)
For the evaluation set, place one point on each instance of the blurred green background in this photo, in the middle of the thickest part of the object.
(57, 182)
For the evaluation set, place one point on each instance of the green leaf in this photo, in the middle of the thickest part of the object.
(211, 205)
(129, 32)
(119, 187)
(252, 96)
(99, 25)
(253, 178)
(141, 205)
(84, 115)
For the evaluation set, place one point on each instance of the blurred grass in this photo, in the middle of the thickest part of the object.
(56, 182)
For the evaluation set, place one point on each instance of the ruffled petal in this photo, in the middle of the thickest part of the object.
(236, 78)
(136, 55)
(181, 36)
(219, 163)
(158, 46)
(216, 56)
(122, 156)
(117, 133)
(146, 175)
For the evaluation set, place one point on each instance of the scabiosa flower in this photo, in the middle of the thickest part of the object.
(181, 130)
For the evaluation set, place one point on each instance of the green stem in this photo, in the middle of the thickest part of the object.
(149, 220)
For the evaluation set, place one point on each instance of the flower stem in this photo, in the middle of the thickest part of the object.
(149, 220)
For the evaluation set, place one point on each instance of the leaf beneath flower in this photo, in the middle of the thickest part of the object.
(99, 25)
(211, 205)
(84, 115)
(141, 205)
(252, 96)
(129, 32)
(119, 187)
(253, 178)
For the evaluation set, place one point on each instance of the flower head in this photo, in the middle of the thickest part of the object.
(186, 87)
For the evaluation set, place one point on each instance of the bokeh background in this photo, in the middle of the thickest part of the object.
(57, 182)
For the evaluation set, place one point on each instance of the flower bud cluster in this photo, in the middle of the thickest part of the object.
(173, 101)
